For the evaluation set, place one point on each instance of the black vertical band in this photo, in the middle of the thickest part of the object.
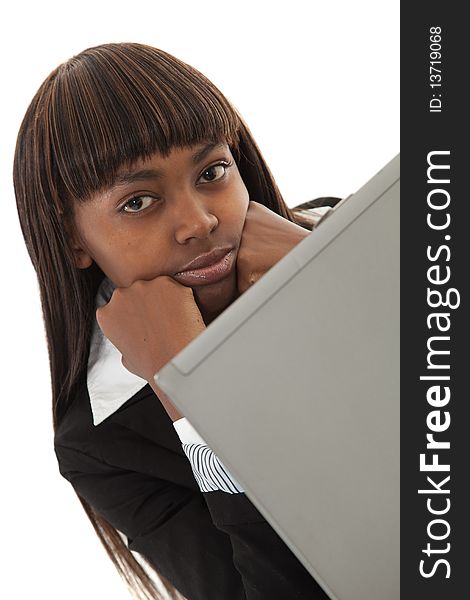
(435, 259)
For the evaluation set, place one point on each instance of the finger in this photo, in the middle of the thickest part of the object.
(99, 316)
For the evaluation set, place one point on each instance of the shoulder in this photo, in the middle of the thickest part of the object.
(138, 437)
(76, 428)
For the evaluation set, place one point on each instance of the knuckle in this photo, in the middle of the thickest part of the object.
(117, 294)
(100, 314)
(139, 285)
(165, 280)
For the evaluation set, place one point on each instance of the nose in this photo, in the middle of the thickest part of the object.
(192, 219)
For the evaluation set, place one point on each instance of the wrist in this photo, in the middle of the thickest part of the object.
(302, 233)
(296, 235)
(170, 408)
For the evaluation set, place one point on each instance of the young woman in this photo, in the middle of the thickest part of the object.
(147, 209)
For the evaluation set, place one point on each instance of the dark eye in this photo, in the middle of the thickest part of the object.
(215, 172)
(138, 204)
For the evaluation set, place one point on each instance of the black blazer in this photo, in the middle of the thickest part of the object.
(210, 546)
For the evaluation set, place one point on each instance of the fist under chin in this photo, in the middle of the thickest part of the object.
(214, 298)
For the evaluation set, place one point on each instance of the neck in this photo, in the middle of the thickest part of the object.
(210, 315)
(214, 299)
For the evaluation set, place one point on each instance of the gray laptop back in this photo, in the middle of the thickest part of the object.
(296, 388)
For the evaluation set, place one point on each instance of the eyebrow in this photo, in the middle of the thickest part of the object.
(128, 177)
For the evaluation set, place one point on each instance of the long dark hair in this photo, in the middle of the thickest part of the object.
(109, 106)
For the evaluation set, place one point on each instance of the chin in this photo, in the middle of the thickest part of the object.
(214, 298)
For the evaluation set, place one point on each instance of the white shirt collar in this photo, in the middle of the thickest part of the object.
(109, 383)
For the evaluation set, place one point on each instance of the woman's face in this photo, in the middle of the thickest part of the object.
(163, 213)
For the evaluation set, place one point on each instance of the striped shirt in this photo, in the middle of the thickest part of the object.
(210, 473)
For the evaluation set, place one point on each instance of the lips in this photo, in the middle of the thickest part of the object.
(205, 260)
(207, 268)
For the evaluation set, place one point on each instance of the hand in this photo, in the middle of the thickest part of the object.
(266, 238)
(149, 322)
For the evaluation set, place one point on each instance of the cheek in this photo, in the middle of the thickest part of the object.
(112, 256)
(234, 214)
(241, 202)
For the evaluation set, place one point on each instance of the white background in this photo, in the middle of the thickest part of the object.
(317, 83)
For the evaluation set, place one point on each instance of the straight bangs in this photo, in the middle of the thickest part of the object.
(114, 104)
